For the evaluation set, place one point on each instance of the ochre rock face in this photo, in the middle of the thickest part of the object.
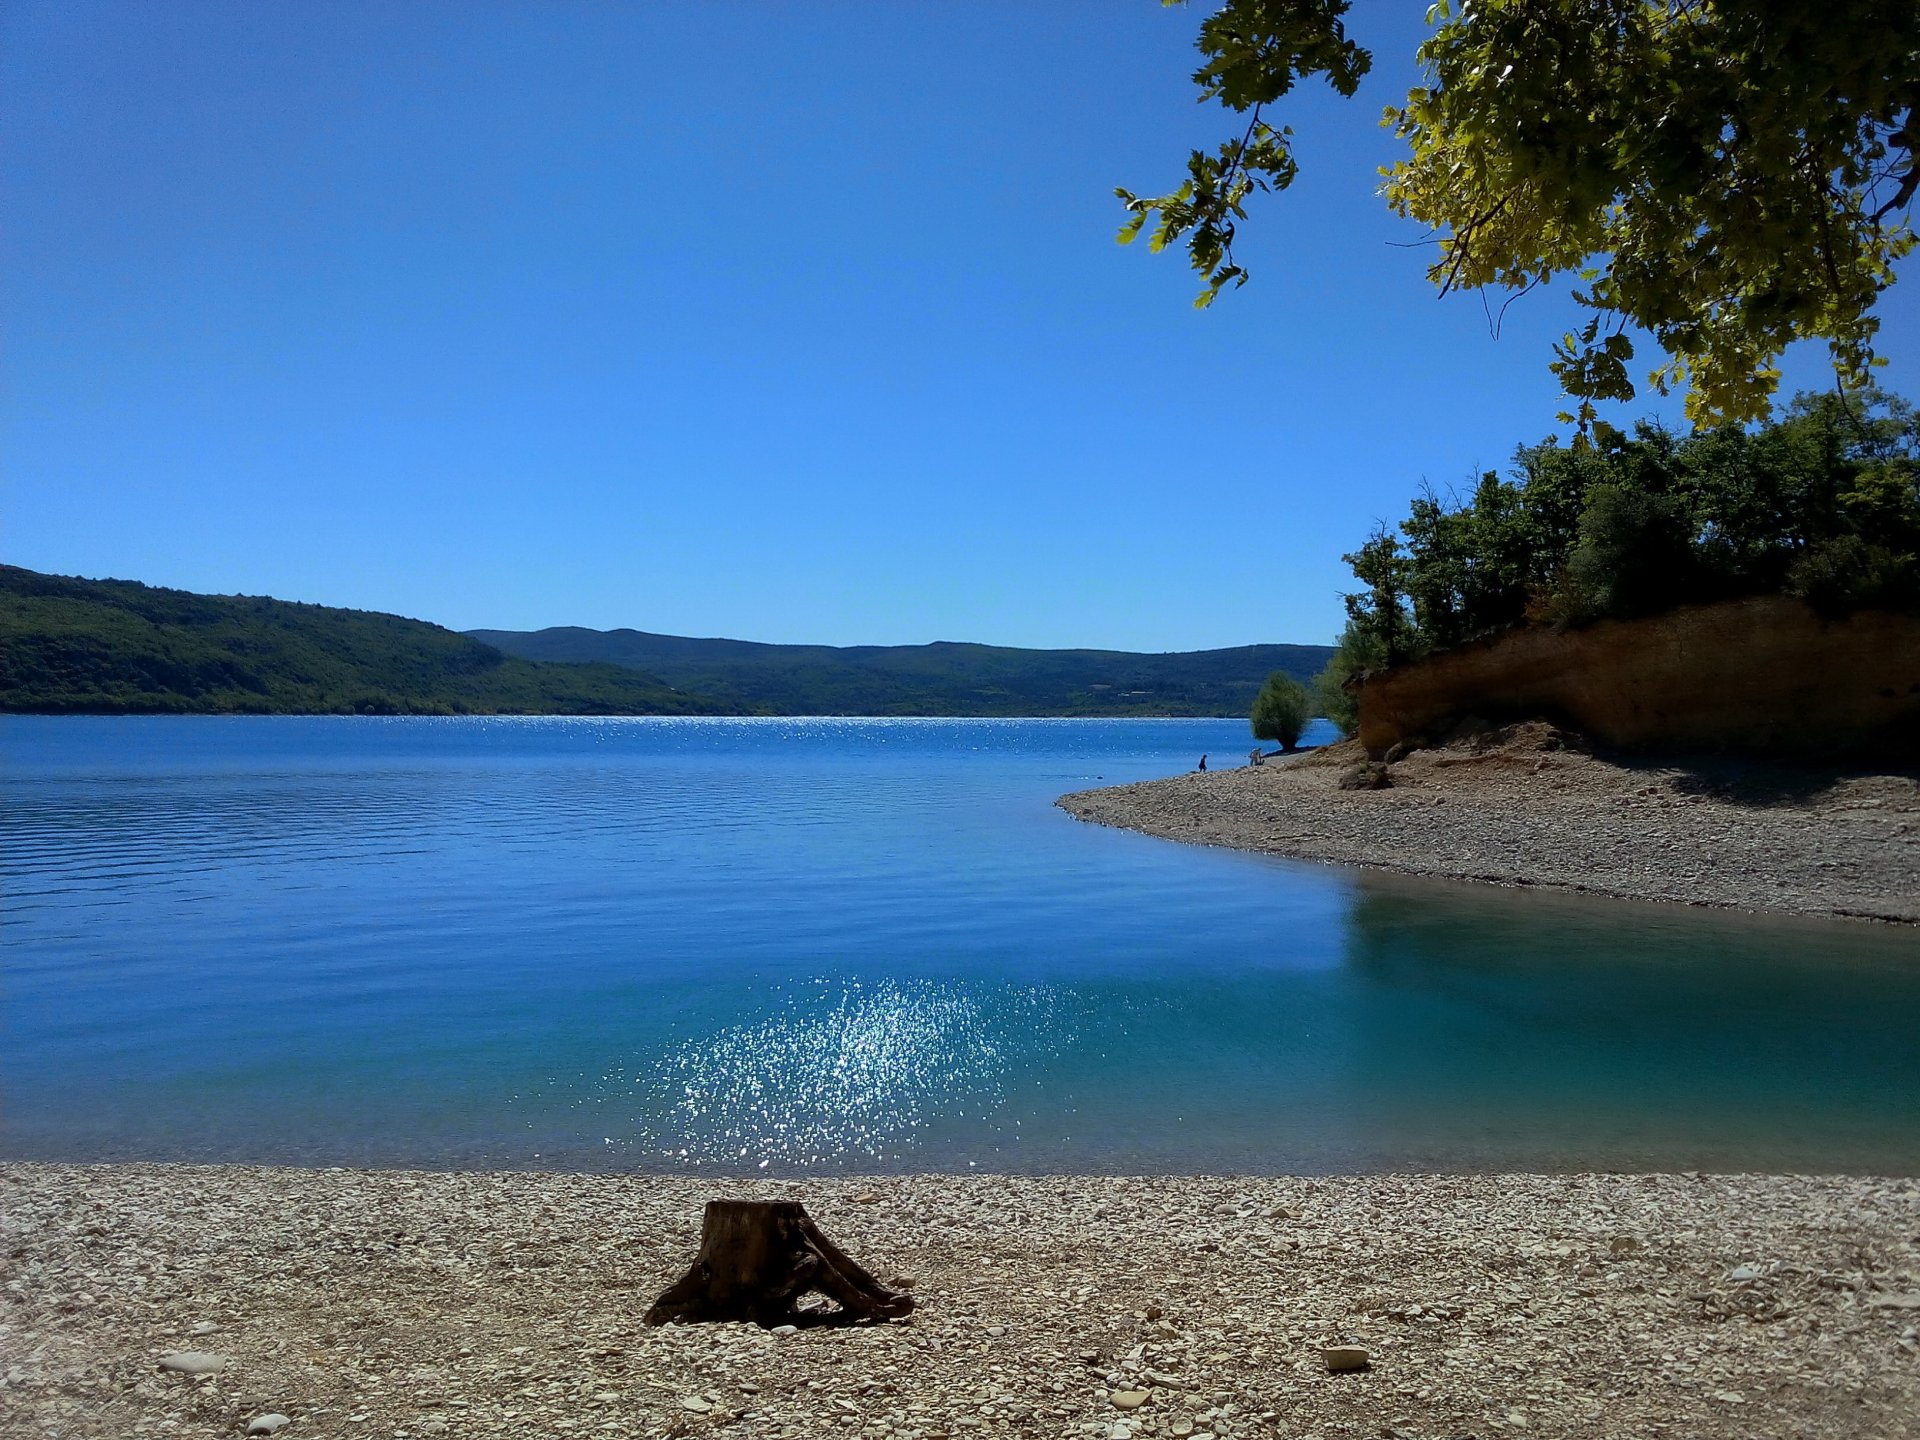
(1765, 675)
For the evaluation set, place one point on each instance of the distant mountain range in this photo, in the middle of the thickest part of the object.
(118, 647)
(72, 646)
(945, 678)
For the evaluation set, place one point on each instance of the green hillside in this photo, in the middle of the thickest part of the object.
(939, 679)
(71, 646)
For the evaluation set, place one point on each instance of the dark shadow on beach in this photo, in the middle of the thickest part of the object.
(1749, 782)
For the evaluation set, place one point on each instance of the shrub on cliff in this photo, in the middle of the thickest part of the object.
(1823, 502)
(1635, 556)
(1281, 710)
(1847, 573)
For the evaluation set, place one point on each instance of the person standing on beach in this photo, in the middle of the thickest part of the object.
(1203, 764)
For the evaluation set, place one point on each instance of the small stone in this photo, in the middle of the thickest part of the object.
(786, 1330)
(1622, 1245)
(1341, 1358)
(1181, 1428)
(1517, 1420)
(204, 1327)
(1154, 1312)
(866, 1197)
(1729, 1397)
(1120, 1431)
(1908, 1300)
(1130, 1399)
(1741, 1274)
(193, 1362)
(996, 1329)
(604, 1396)
(271, 1424)
(696, 1405)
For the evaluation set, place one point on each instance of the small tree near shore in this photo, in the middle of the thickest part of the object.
(1281, 710)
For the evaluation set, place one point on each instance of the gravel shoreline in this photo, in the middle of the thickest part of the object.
(1529, 806)
(399, 1304)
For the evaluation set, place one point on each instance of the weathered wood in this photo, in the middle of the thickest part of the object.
(757, 1258)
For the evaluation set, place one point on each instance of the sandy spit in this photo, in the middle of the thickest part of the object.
(1528, 806)
(397, 1304)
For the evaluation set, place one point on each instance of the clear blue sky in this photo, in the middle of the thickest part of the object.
(796, 321)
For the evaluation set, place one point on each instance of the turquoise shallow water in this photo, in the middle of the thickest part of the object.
(789, 946)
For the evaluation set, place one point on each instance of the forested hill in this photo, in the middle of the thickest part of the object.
(72, 646)
(940, 679)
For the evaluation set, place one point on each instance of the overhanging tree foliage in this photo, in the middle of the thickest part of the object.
(1727, 175)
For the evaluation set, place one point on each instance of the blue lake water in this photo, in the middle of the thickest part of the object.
(789, 946)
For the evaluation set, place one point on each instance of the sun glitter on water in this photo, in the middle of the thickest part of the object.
(860, 1073)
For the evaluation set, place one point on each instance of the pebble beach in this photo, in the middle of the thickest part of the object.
(214, 1301)
(1529, 805)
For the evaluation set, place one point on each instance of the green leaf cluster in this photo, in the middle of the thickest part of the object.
(1823, 502)
(1254, 51)
(1727, 176)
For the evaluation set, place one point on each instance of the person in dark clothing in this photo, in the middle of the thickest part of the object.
(1203, 764)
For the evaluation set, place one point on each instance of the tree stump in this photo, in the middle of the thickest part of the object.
(757, 1258)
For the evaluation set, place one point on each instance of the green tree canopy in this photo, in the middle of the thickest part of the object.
(1822, 503)
(1281, 710)
(1358, 652)
(1726, 175)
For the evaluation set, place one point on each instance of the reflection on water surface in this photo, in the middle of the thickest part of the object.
(856, 945)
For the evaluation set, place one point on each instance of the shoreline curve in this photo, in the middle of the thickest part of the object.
(1529, 805)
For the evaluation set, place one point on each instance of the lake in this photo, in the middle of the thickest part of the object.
(794, 946)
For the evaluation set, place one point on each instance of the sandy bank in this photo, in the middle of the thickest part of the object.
(1519, 807)
(409, 1304)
